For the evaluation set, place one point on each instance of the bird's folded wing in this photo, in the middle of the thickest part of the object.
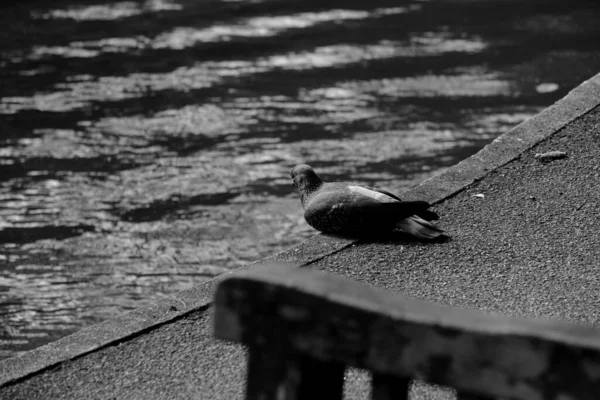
(382, 197)
(392, 195)
(425, 214)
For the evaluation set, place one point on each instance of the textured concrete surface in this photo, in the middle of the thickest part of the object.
(529, 247)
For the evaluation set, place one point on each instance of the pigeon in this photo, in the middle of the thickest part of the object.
(348, 209)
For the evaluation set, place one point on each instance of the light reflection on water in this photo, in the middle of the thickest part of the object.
(146, 145)
(102, 12)
(80, 90)
(181, 38)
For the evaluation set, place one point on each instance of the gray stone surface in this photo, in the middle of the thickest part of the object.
(530, 247)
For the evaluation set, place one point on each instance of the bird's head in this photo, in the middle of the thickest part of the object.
(305, 179)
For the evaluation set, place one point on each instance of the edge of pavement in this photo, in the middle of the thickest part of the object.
(504, 149)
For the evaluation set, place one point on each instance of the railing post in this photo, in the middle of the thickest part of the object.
(389, 387)
(274, 375)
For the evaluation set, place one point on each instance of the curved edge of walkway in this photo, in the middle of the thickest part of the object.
(505, 148)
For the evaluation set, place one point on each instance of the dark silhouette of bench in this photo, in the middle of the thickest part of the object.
(303, 328)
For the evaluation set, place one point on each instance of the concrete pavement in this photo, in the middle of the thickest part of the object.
(529, 246)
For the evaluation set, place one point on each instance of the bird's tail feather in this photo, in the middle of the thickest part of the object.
(420, 228)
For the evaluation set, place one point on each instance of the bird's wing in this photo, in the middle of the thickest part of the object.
(344, 199)
(419, 208)
(392, 195)
(359, 201)
(378, 195)
(425, 214)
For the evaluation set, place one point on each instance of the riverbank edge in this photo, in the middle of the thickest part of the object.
(505, 148)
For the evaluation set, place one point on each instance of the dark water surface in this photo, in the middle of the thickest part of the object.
(146, 145)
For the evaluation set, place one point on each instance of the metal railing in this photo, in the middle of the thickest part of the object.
(303, 328)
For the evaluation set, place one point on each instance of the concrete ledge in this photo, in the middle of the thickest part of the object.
(142, 320)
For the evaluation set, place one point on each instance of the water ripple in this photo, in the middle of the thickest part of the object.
(103, 12)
